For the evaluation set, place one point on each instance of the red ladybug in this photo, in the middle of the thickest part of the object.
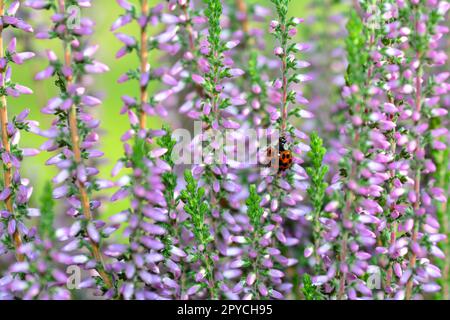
(283, 160)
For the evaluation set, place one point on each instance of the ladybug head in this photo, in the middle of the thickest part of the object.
(282, 143)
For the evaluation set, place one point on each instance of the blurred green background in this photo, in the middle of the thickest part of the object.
(113, 125)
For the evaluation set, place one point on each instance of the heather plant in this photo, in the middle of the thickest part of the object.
(384, 149)
(215, 103)
(247, 24)
(153, 217)
(259, 280)
(283, 188)
(216, 81)
(73, 137)
(390, 128)
(440, 159)
(391, 155)
(201, 251)
(443, 180)
(317, 173)
(356, 233)
(15, 194)
(33, 274)
(318, 180)
(422, 94)
(255, 213)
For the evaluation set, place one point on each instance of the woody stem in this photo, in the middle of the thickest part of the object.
(7, 175)
(144, 63)
(75, 139)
